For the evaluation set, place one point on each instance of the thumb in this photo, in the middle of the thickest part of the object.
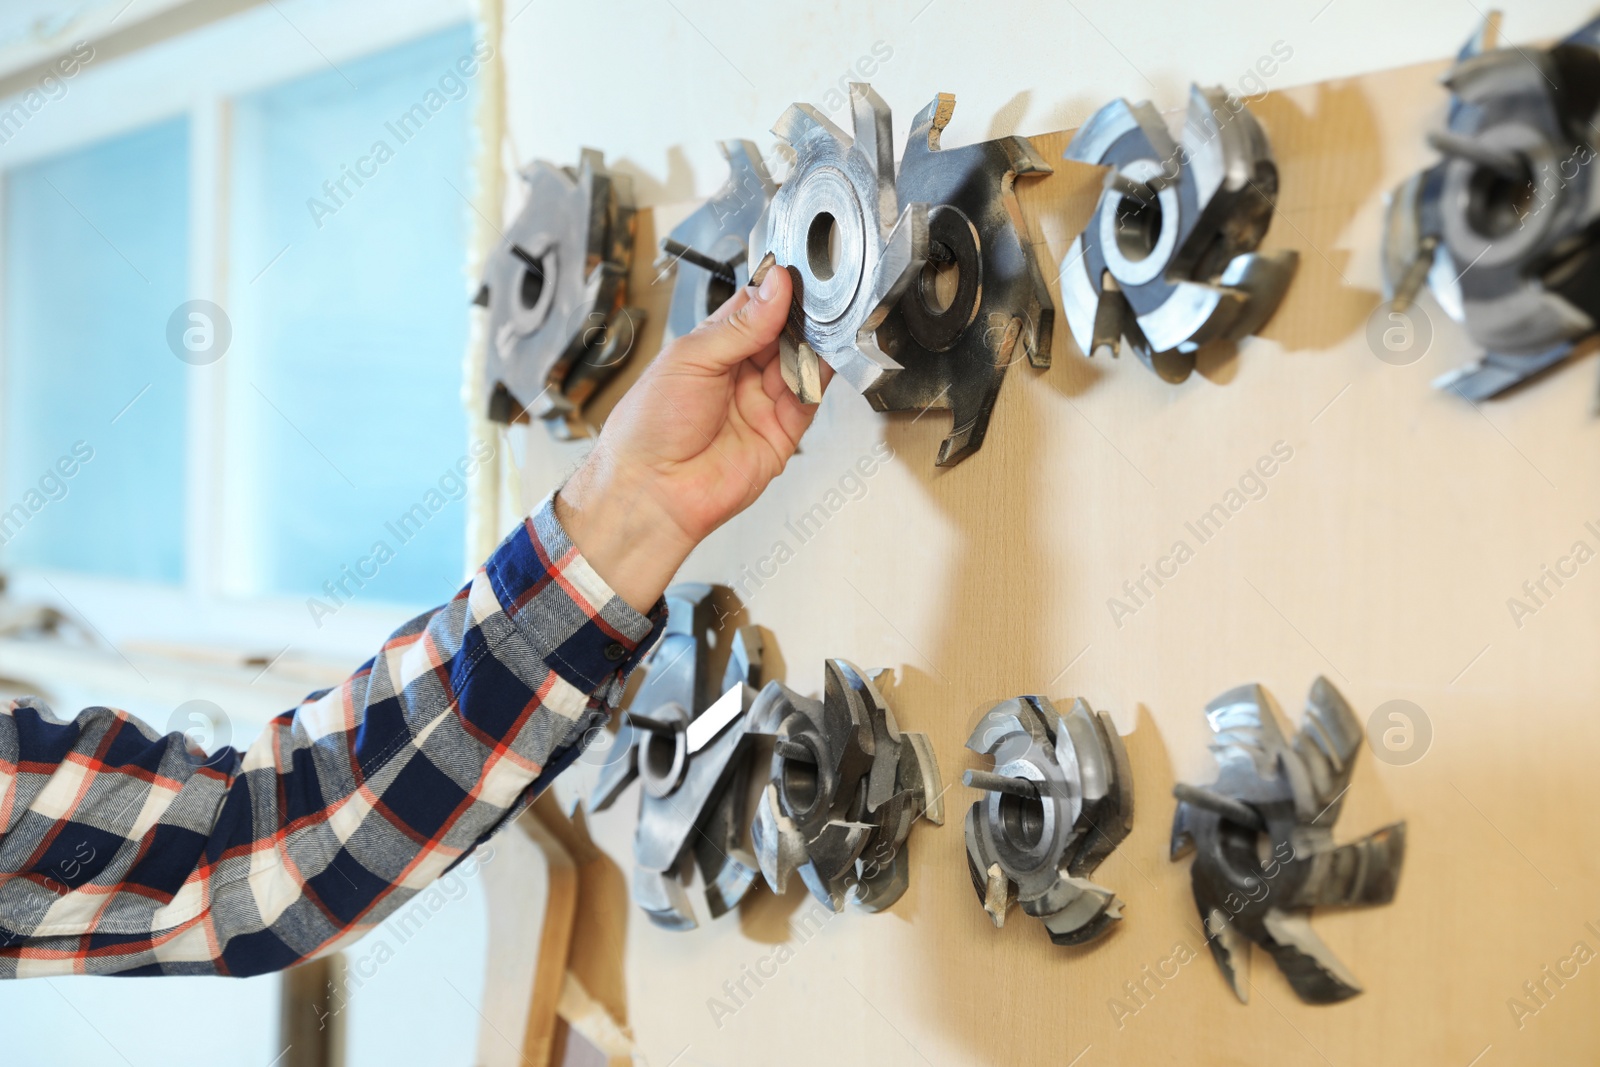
(746, 325)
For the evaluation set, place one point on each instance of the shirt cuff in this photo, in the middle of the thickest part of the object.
(582, 630)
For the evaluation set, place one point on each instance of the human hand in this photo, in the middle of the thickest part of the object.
(694, 442)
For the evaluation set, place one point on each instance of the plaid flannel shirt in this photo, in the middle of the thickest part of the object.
(123, 852)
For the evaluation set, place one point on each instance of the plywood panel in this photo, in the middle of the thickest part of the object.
(1381, 553)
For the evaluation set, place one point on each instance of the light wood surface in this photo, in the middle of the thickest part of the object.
(1382, 555)
(531, 884)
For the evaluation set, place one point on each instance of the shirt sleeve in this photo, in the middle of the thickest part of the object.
(124, 852)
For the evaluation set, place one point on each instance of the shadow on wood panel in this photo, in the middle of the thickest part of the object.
(1330, 161)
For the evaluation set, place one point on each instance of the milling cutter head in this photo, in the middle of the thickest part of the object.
(849, 245)
(1059, 800)
(1262, 838)
(1168, 260)
(1503, 229)
(954, 353)
(846, 786)
(555, 288)
(690, 750)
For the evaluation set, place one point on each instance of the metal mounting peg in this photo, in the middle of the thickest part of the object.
(999, 783)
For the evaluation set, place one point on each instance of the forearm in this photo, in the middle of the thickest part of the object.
(616, 520)
(337, 815)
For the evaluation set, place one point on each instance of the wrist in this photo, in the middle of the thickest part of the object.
(612, 517)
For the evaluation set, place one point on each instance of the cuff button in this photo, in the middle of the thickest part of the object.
(615, 652)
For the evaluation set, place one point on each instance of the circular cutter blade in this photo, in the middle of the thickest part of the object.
(1168, 260)
(954, 342)
(849, 245)
(1502, 230)
(555, 288)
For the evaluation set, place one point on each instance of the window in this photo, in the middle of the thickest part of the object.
(344, 397)
(305, 489)
(97, 256)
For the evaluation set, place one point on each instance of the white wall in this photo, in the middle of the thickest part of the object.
(656, 83)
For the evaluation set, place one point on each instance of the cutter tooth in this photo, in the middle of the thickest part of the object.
(1494, 372)
(1087, 915)
(1231, 949)
(864, 364)
(744, 158)
(531, 171)
(590, 160)
(998, 896)
(1149, 120)
(745, 661)
(663, 898)
(1182, 842)
(1309, 964)
(1112, 121)
(929, 124)
(885, 886)
(801, 367)
(903, 256)
(802, 122)
(1079, 300)
(617, 772)
(732, 881)
(1025, 159)
(822, 891)
(874, 142)
(1262, 280)
(1238, 143)
(926, 771)
(1407, 251)
(1038, 336)
(1171, 365)
(1486, 38)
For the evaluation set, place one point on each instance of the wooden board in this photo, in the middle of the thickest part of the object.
(1381, 553)
(532, 894)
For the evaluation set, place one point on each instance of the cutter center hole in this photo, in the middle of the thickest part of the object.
(939, 280)
(800, 784)
(660, 753)
(532, 287)
(1138, 227)
(822, 246)
(1022, 819)
(1497, 204)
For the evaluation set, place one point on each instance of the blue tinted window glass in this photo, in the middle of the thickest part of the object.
(96, 261)
(351, 313)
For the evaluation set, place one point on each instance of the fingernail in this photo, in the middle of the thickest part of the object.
(766, 272)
